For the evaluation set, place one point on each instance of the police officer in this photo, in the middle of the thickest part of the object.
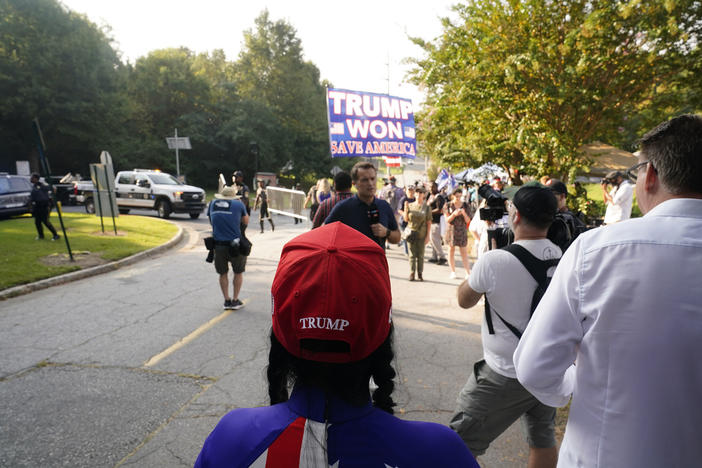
(242, 190)
(41, 207)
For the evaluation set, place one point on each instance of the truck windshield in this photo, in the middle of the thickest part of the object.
(164, 179)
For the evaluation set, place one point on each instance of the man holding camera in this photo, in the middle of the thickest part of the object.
(619, 199)
(620, 326)
(364, 212)
(227, 216)
(493, 399)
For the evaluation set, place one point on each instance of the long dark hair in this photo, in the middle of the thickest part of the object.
(348, 381)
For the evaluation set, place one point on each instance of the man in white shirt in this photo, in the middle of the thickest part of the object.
(493, 399)
(620, 326)
(619, 199)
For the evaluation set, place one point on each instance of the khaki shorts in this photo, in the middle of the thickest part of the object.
(489, 403)
(222, 259)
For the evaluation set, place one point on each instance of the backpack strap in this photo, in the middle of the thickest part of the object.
(538, 269)
(488, 319)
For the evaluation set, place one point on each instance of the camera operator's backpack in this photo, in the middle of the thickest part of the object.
(538, 270)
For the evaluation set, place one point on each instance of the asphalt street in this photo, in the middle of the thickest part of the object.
(136, 366)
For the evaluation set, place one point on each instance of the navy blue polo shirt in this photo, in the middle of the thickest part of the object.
(354, 213)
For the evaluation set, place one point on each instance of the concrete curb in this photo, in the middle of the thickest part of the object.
(92, 271)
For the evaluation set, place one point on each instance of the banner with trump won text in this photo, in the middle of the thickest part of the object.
(370, 125)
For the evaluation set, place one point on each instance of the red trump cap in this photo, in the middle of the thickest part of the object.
(332, 287)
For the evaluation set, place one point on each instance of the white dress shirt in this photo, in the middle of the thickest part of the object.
(622, 200)
(625, 305)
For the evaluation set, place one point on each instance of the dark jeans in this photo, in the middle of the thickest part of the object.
(41, 216)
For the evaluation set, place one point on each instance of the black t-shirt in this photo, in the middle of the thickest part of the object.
(438, 202)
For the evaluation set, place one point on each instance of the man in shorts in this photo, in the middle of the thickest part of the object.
(493, 398)
(227, 216)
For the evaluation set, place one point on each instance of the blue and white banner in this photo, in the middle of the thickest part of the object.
(370, 125)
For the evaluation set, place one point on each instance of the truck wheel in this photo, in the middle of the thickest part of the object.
(194, 215)
(163, 207)
(124, 211)
(90, 206)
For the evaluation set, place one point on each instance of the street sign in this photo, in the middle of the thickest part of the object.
(106, 159)
(178, 143)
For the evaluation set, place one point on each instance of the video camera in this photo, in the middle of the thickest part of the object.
(495, 201)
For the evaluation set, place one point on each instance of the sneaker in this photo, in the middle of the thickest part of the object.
(56, 237)
(442, 261)
(452, 275)
(467, 275)
(39, 238)
(228, 305)
(432, 260)
(237, 304)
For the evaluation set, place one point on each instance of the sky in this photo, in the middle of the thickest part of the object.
(351, 42)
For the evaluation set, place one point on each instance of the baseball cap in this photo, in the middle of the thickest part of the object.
(238, 174)
(557, 186)
(614, 174)
(536, 203)
(332, 285)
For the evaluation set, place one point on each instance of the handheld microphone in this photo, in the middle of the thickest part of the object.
(373, 214)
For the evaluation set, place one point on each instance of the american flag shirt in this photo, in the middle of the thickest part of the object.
(296, 434)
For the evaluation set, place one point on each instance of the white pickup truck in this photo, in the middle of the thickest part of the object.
(148, 190)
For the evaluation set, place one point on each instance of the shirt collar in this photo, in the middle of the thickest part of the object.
(678, 207)
(364, 203)
(310, 402)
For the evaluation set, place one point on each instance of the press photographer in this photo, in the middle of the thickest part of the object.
(228, 216)
(493, 399)
(618, 199)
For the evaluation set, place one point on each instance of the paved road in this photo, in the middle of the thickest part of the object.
(136, 366)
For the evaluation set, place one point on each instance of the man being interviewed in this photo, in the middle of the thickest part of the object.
(331, 333)
(365, 212)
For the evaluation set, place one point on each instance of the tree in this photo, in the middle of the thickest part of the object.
(58, 66)
(524, 83)
(271, 71)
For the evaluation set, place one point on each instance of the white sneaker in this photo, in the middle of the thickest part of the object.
(452, 275)
(467, 275)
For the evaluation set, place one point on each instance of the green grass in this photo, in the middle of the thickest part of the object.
(20, 254)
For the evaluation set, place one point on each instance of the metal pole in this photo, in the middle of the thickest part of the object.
(47, 175)
(109, 200)
(177, 160)
(97, 194)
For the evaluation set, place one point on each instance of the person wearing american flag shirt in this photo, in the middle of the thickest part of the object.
(330, 334)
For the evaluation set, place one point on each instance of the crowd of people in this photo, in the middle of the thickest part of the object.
(607, 319)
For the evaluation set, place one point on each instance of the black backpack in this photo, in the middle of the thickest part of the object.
(538, 270)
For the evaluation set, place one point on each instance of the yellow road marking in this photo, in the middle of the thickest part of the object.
(183, 341)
